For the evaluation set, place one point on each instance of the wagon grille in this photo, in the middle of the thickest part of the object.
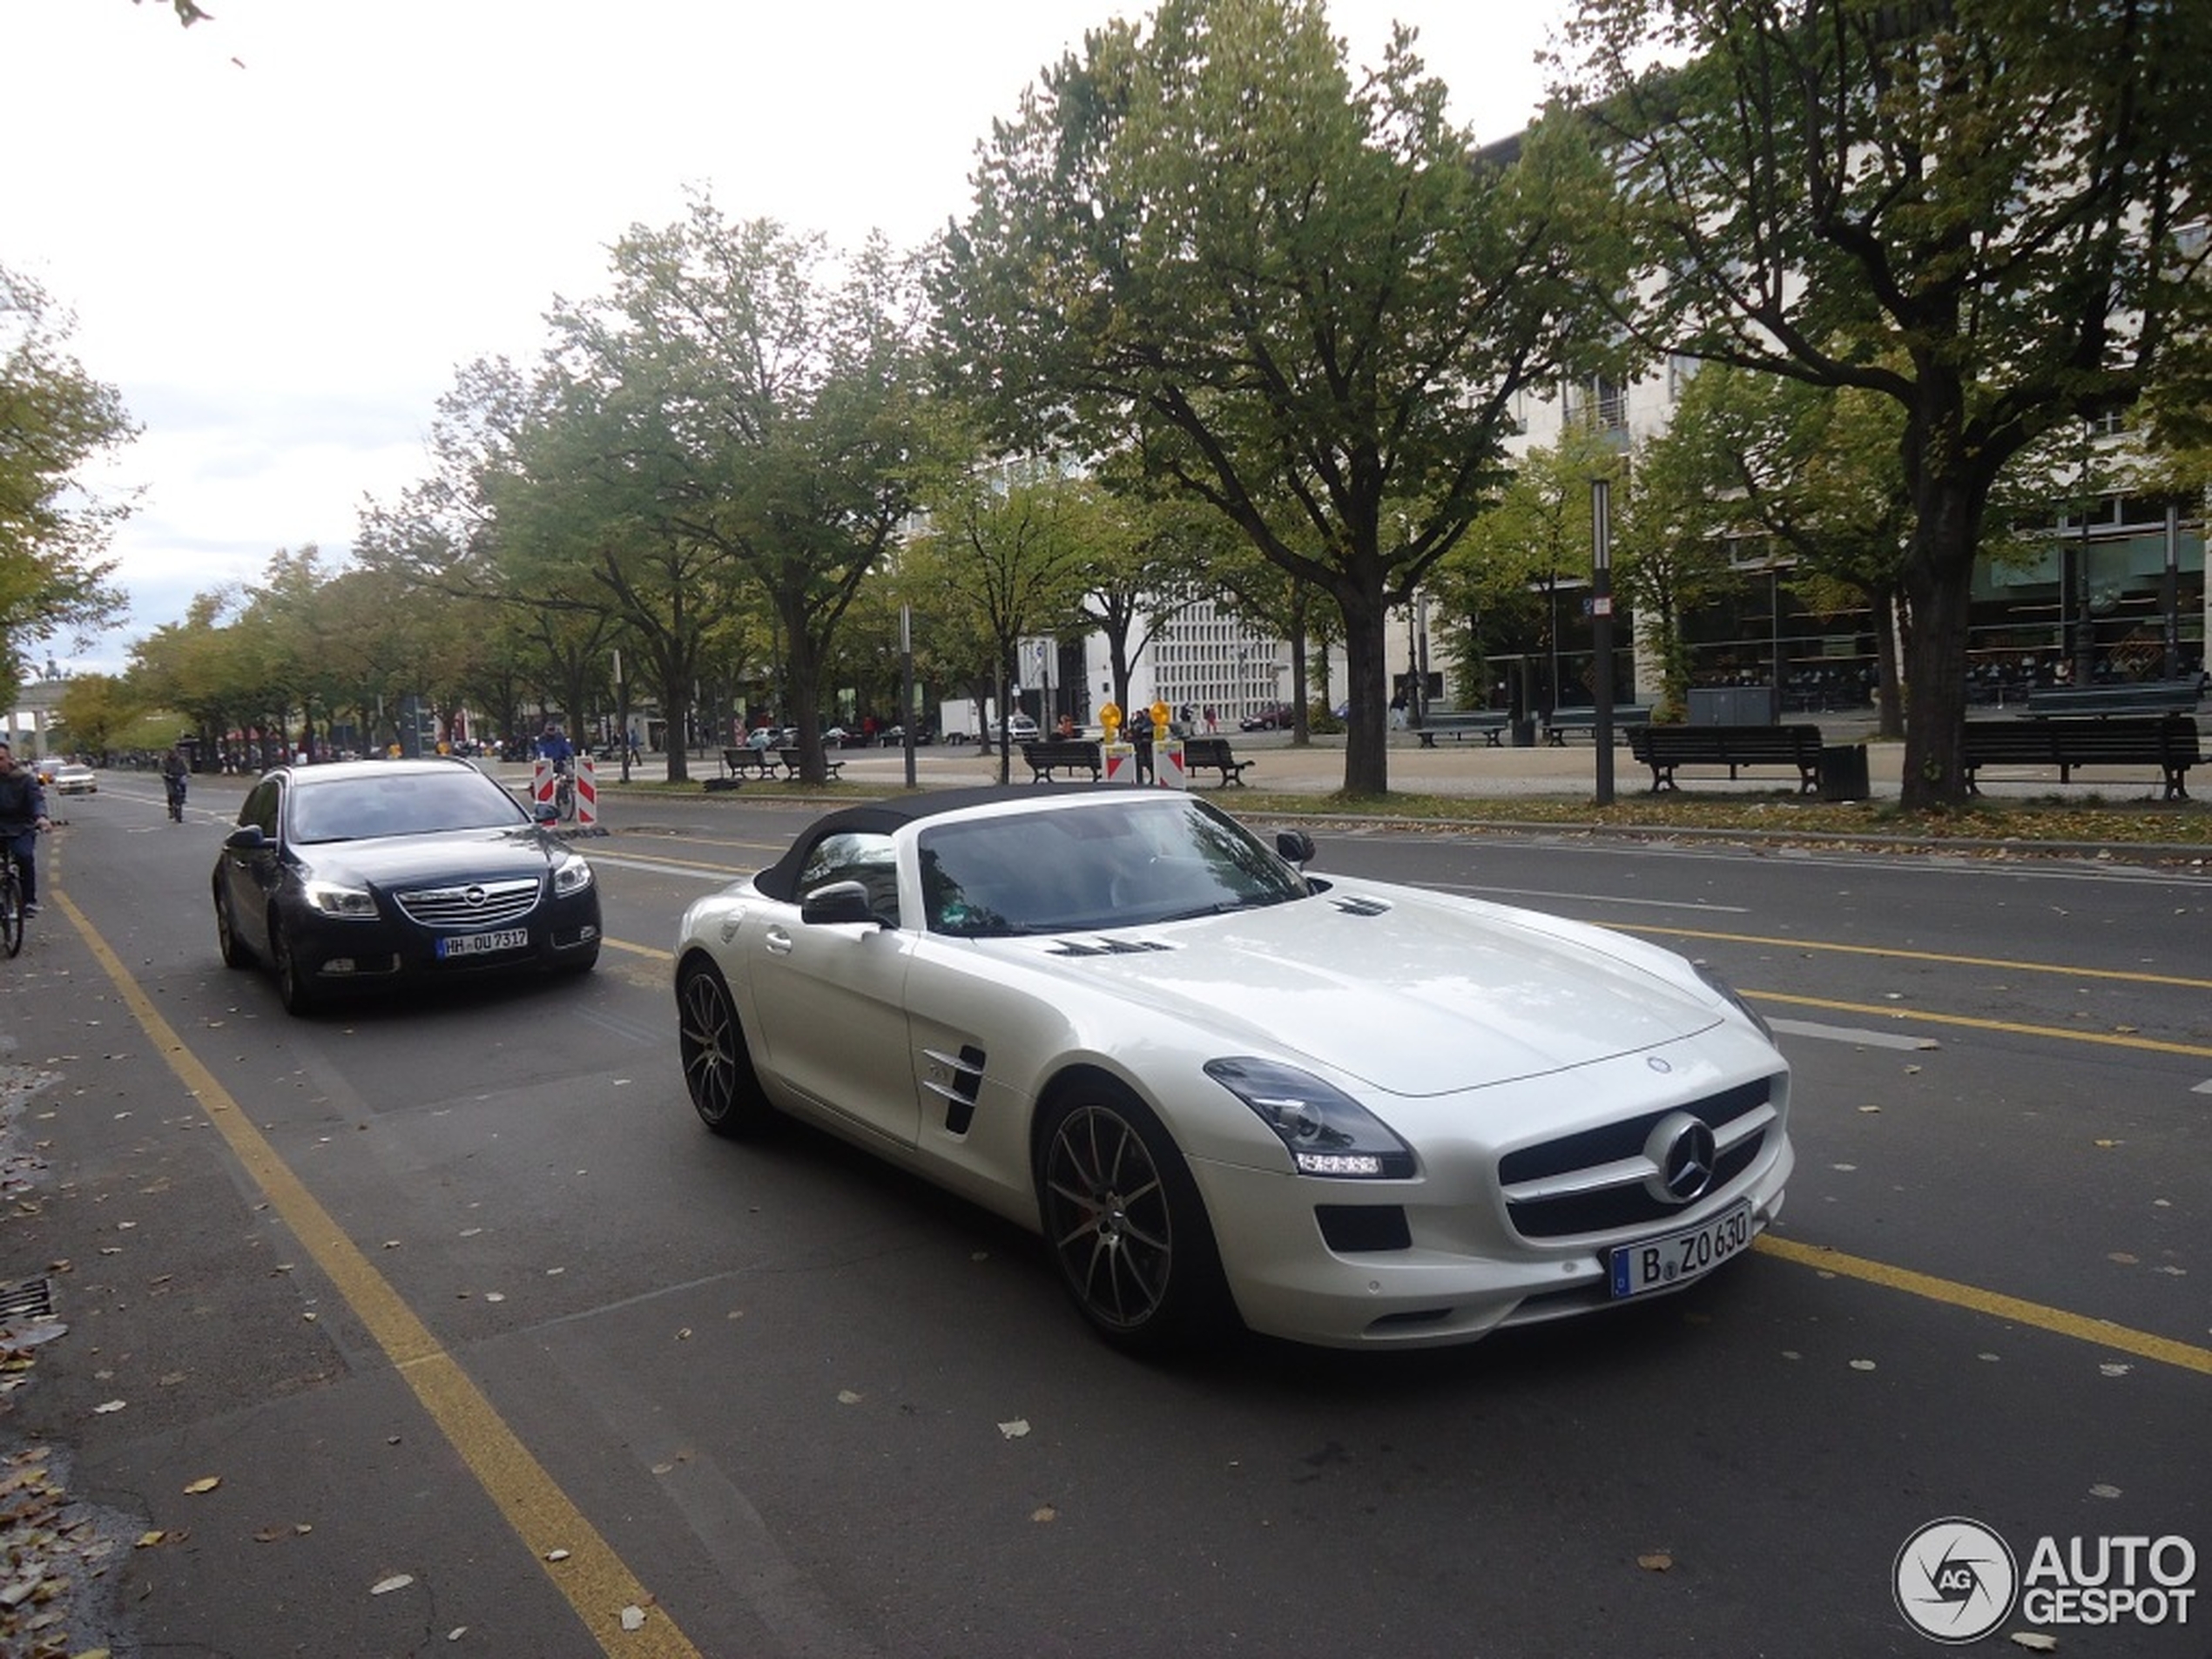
(1600, 1179)
(473, 904)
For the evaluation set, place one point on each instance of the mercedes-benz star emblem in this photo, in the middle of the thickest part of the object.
(1682, 1154)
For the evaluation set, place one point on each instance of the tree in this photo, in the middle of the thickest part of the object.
(55, 420)
(739, 419)
(1967, 207)
(94, 708)
(1308, 303)
(1014, 555)
(1811, 470)
(1509, 570)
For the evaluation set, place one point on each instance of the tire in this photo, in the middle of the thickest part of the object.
(236, 952)
(10, 918)
(717, 1066)
(294, 989)
(1124, 1225)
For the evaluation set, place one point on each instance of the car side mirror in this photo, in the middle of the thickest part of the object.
(248, 838)
(544, 812)
(837, 901)
(1295, 845)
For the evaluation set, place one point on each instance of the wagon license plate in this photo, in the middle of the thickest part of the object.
(1675, 1258)
(483, 944)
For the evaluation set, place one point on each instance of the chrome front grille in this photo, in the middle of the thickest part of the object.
(1602, 1179)
(472, 904)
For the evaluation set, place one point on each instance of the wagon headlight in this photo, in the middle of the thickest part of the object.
(1735, 999)
(572, 875)
(1328, 1132)
(345, 904)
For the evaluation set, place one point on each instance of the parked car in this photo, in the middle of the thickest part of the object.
(1022, 727)
(354, 874)
(72, 777)
(1226, 1091)
(1276, 716)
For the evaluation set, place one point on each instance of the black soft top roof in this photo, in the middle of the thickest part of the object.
(781, 880)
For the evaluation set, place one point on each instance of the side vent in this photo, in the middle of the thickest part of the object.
(1352, 905)
(959, 1094)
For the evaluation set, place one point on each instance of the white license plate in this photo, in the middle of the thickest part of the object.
(483, 944)
(1675, 1258)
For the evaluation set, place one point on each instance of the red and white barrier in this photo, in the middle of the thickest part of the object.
(1168, 771)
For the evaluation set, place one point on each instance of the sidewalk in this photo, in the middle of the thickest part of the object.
(1468, 766)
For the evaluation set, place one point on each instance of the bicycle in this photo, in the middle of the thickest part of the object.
(11, 916)
(564, 791)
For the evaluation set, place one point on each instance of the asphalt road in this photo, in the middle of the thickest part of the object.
(483, 1341)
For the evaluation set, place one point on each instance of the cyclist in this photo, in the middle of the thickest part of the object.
(556, 747)
(23, 815)
(173, 772)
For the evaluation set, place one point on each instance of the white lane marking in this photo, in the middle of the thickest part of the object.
(1852, 1034)
(1588, 898)
(721, 876)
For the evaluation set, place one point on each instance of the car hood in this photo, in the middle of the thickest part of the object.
(401, 860)
(1412, 993)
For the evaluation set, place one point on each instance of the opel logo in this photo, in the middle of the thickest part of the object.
(1682, 1154)
(474, 895)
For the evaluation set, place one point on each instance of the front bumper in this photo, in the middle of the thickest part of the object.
(1439, 1260)
(336, 953)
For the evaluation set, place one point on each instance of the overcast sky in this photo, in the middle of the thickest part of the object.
(281, 230)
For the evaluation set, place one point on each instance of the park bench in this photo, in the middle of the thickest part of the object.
(2133, 696)
(795, 759)
(1045, 756)
(2168, 742)
(1626, 717)
(1664, 747)
(740, 762)
(1458, 723)
(1214, 752)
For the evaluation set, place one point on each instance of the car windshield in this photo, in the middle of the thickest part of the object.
(403, 803)
(1110, 863)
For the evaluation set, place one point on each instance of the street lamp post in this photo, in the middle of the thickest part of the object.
(1602, 630)
(907, 680)
(2172, 596)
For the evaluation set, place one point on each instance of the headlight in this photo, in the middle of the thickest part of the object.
(1328, 1132)
(1735, 999)
(347, 904)
(572, 875)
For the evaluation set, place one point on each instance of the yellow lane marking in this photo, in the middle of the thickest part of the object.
(609, 943)
(1921, 1016)
(2132, 975)
(592, 1578)
(2102, 1333)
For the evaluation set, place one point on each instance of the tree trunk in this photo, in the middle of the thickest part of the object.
(676, 710)
(1366, 745)
(1935, 669)
(806, 705)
